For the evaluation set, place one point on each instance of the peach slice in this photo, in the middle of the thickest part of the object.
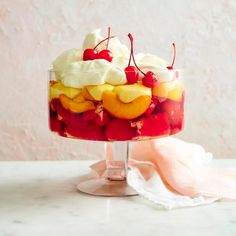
(73, 106)
(87, 95)
(57, 88)
(96, 91)
(122, 110)
(129, 92)
(171, 90)
(79, 98)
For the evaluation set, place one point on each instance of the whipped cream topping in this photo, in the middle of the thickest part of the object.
(149, 62)
(96, 72)
(115, 46)
(74, 72)
(67, 57)
(163, 74)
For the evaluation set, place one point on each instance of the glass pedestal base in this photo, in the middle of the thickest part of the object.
(106, 187)
(112, 174)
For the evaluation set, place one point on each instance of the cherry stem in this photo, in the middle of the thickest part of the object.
(132, 53)
(103, 41)
(173, 61)
(108, 36)
(131, 48)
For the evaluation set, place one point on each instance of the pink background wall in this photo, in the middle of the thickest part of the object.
(34, 32)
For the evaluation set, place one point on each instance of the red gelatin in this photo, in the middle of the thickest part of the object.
(100, 116)
(70, 118)
(62, 113)
(175, 112)
(121, 130)
(53, 104)
(86, 129)
(152, 106)
(89, 115)
(56, 125)
(153, 125)
(73, 123)
(160, 119)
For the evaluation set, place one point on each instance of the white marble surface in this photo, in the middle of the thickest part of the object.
(39, 198)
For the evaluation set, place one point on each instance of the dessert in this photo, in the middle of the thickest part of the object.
(106, 92)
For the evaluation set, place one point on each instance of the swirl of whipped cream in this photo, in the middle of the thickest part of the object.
(82, 73)
(74, 72)
(67, 57)
(119, 51)
(149, 62)
(115, 46)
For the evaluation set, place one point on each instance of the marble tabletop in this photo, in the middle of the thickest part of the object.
(40, 198)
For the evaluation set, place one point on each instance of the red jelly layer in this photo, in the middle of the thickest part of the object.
(162, 118)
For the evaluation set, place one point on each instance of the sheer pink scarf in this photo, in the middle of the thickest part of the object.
(184, 168)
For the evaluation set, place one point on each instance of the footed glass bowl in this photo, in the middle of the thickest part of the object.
(96, 113)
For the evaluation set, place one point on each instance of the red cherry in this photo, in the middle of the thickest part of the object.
(105, 54)
(131, 74)
(170, 67)
(89, 54)
(173, 61)
(92, 54)
(150, 79)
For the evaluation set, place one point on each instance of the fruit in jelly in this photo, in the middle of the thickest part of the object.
(74, 106)
(122, 110)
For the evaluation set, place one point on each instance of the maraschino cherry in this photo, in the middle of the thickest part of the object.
(149, 80)
(131, 72)
(173, 61)
(92, 54)
(105, 53)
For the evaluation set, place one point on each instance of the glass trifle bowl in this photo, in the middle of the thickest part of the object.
(88, 100)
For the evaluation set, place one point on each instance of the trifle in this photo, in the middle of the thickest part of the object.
(108, 92)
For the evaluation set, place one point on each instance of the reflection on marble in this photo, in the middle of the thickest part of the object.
(40, 198)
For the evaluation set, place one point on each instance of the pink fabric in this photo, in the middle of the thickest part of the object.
(183, 168)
